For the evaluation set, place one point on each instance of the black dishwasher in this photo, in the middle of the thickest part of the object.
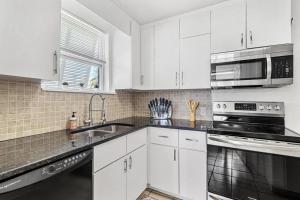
(66, 179)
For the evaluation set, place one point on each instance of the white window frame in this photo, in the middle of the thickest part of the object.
(104, 70)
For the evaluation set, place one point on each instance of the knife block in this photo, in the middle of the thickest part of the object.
(160, 115)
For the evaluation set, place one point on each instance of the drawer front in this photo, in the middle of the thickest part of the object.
(164, 136)
(106, 153)
(136, 140)
(194, 140)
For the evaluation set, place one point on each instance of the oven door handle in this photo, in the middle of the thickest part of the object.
(265, 146)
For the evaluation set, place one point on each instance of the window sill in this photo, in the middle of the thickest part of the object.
(69, 90)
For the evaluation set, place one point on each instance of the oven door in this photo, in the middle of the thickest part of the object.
(241, 73)
(236, 171)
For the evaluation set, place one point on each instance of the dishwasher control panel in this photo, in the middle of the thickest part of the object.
(64, 164)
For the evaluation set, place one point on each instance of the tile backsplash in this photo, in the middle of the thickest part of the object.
(25, 109)
(179, 100)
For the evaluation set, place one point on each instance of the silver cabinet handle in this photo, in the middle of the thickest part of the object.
(130, 162)
(175, 155)
(242, 39)
(163, 136)
(176, 78)
(125, 165)
(182, 78)
(55, 68)
(142, 80)
(251, 37)
(191, 140)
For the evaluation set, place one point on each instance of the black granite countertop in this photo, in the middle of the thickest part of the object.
(20, 155)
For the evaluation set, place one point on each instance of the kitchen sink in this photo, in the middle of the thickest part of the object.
(109, 129)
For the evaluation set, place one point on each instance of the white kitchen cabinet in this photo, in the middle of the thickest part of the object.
(163, 170)
(166, 69)
(147, 57)
(228, 26)
(193, 164)
(195, 62)
(268, 22)
(136, 57)
(110, 182)
(193, 180)
(126, 58)
(195, 23)
(120, 167)
(29, 38)
(137, 173)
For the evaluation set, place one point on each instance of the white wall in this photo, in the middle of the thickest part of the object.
(110, 12)
(290, 95)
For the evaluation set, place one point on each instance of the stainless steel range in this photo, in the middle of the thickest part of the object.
(248, 158)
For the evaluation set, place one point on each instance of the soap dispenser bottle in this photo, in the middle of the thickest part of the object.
(73, 122)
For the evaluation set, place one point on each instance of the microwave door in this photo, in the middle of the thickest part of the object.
(240, 73)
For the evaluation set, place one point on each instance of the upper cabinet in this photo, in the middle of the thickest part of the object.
(29, 38)
(166, 67)
(268, 22)
(126, 58)
(228, 26)
(194, 24)
(241, 24)
(147, 57)
(195, 50)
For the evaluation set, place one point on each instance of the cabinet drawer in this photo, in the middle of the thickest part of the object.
(136, 140)
(194, 140)
(109, 152)
(164, 136)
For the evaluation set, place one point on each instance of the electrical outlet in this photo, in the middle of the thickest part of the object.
(202, 111)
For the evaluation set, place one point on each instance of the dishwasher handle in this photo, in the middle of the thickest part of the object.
(45, 172)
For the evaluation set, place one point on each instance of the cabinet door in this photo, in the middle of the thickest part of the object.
(29, 38)
(167, 55)
(110, 182)
(193, 180)
(164, 168)
(137, 173)
(195, 62)
(147, 57)
(228, 26)
(136, 49)
(194, 24)
(268, 22)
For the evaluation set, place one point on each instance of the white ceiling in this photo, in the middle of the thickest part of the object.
(144, 11)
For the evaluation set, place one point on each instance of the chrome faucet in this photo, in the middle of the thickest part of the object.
(102, 110)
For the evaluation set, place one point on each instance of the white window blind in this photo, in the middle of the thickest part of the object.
(82, 55)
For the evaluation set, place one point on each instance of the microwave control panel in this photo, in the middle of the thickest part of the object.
(282, 67)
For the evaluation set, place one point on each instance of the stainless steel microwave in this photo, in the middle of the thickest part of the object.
(265, 67)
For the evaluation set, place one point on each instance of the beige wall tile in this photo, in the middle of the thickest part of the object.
(26, 110)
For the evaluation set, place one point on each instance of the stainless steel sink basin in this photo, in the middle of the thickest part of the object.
(109, 129)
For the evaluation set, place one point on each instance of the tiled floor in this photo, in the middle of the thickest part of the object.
(154, 195)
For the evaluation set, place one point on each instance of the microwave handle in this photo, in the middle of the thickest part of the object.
(269, 68)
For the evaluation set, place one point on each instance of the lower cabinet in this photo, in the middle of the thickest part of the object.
(110, 182)
(137, 173)
(125, 179)
(164, 168)
(120, 167)
(192, 174)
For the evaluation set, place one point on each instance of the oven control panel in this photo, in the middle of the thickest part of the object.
(260, 108)
(64, 164)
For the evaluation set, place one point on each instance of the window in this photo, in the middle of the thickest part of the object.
(82, 56)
